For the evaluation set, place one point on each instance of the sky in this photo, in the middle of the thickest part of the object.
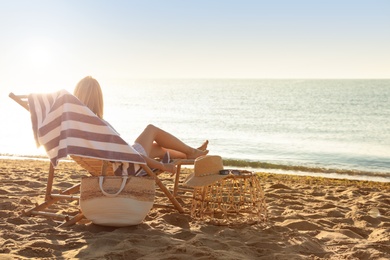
(45, 43)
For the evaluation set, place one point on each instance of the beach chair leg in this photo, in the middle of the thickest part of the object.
(49, 185)
(72, 221)
(164, 189)
(54, 198)
(179, 191)
(177, 178)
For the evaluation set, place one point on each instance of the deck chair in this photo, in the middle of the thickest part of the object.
(93, 163)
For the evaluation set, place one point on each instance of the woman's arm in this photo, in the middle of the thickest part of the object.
(154, 164)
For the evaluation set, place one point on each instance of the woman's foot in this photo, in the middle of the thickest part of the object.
(203, 147)
(196, 153)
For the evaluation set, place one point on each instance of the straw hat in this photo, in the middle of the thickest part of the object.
(206, 171)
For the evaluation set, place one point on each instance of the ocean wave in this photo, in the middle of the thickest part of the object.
(21, 156)
(257, 165)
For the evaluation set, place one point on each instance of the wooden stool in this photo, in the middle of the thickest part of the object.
(237, 199)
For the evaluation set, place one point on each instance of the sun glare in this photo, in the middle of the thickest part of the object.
(35, 66)
(39, 57)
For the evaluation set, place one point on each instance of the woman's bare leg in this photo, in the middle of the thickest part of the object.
(164, 139)
(158, 152)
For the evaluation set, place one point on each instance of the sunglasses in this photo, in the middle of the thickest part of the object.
(235, 172)
(226, 172)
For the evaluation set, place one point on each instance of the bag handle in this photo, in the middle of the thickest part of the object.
(101, 178)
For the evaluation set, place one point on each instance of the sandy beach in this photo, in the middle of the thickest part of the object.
(309, 218)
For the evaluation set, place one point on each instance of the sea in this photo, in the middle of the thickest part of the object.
(328, 128)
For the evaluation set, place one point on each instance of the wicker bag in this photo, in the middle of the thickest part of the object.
(116, 200)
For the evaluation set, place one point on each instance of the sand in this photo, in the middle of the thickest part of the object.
(309, 218)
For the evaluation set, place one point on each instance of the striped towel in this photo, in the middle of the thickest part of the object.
(65, 126)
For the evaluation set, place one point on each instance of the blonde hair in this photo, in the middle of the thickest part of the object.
(89, 92)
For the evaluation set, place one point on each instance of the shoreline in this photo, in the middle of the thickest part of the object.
(308, 218)
(266, 168)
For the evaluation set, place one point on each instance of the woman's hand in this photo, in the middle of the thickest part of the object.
(169, 167)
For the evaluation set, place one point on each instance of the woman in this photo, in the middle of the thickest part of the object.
(153, 142)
